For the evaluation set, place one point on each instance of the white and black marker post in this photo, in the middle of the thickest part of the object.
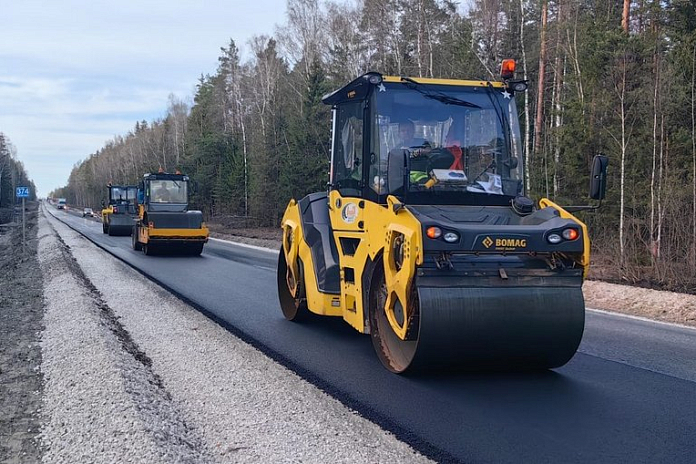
(23, 193)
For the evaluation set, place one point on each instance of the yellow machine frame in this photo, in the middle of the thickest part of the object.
(376, 227)
(145, 234)
(376, 239)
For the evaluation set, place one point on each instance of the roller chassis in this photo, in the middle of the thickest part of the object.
(168, 227)
(432, 305)
(118, 216)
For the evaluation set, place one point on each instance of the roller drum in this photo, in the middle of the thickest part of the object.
(487, 328)
(120, 224)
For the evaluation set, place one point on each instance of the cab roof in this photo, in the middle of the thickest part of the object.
(358, 88)
(164, 176)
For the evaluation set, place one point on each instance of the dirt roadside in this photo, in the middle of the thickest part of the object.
(21, 315)
(677, 308)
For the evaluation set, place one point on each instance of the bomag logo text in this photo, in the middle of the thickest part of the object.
(508, 243)
(511, 242)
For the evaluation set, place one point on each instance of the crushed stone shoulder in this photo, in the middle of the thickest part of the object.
(181, 384)
(101, 404)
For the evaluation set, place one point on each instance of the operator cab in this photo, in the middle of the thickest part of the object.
(165, 192)
(426, 141)
(122, 198)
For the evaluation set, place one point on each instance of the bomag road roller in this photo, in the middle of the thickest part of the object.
(425, 239)
(118, 216)
(164, 223)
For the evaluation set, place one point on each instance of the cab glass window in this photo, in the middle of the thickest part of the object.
(167, 191)
(445, 144)
(347, 156)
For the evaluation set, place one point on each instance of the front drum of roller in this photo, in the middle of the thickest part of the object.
(484, 328)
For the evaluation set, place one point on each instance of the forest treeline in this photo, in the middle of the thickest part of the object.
(614, 77)
(12, 175)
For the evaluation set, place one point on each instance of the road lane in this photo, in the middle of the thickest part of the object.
(597, 408)
(665, 348)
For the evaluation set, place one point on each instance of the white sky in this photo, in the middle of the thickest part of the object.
(73, 74)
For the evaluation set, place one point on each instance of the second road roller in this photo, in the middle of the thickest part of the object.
(118, 216)
(164, 223)
(426, 239)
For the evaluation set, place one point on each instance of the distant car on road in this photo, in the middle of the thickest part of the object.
(61, 203)
(88, 212)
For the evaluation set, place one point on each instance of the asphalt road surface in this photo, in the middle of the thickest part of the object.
(628, 395)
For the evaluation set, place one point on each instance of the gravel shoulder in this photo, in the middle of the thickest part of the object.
(21, 314)
(134, 374)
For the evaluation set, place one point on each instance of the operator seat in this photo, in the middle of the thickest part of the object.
(442, 159)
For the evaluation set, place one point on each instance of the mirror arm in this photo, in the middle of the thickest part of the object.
(572, 209)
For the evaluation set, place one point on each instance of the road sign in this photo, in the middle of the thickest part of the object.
(23, 193)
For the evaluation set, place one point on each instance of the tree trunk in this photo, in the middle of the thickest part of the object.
(660, 213)
(653, 248)
(573, 47)
(539, 120)
(431, 50)
(246, 171)
(625, 17)
(419, 39)
(527, 121)
(557, 101)
(176, 141)
(623, 146)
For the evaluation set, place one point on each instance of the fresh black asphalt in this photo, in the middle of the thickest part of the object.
(629, 395)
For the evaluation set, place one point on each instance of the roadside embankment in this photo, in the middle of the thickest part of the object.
(21, 315)
(134, 374)
(677, 308)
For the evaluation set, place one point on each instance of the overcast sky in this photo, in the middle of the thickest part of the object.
(73, 74)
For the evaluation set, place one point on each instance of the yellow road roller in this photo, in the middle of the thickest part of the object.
(425, 239)
(164, 223)
(118, 215)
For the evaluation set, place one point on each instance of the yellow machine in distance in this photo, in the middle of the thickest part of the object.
(426, 240)
(164, 222)
(118, 216)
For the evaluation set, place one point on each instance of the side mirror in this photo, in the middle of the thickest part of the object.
(598, 177)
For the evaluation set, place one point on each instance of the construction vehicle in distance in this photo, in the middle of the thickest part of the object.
(426, 240)
(164, 223)
(118, 215)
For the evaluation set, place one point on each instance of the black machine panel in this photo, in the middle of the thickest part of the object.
(496, 229)
(316, 227)
(176, 220)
